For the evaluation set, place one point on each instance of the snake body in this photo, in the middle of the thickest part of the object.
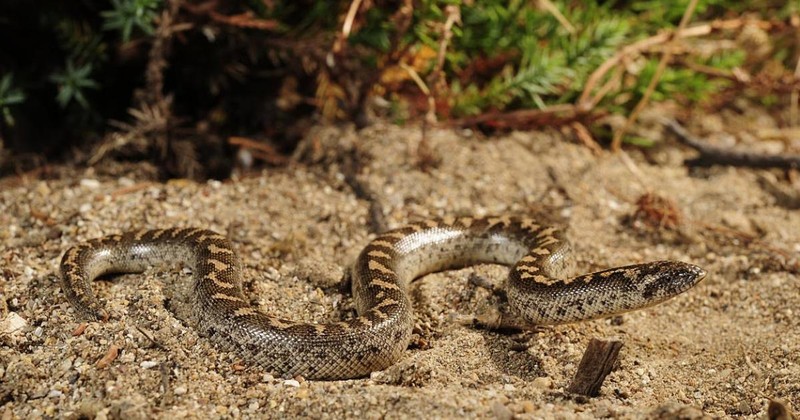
(537, 289)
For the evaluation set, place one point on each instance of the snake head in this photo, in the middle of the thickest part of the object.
(665, 279)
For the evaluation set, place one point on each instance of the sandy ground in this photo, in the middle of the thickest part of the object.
(722, 349)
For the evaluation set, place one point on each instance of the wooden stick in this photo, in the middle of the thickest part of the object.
(559, 114)
(713, 155)
(596, 364)
(778, 410)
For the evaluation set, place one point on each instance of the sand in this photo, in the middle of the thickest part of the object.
(722, 349)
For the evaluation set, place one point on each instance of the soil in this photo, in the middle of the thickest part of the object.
(722, 349)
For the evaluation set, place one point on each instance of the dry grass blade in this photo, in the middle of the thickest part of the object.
(147, 120)
(262, 151)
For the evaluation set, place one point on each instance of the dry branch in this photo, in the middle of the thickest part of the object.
(778, 410)
(587, 101)
(262, 151)
(527, 118)
(242, 20)
(616, 142)
(712, 155)
(596, 364)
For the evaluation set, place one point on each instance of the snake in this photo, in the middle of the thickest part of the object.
(538, 288)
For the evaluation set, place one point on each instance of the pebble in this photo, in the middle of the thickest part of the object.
(42, 189)
(528, 406)
(54, 393)
(543, 382)
(65, 365)
(501, 412)
(291, 382)
(744, 408)
(125, 182)
(147, 364)
(90, 183)
(179, 390)
(12, 323)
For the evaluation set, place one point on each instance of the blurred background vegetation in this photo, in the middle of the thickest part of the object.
(185, 84)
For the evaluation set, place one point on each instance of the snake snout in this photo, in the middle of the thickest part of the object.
(699, 273)
(671, 278)
(690, 274)
(683, 276)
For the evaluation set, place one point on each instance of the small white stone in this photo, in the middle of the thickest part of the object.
(125, 182)
(291, 382)
(85, 208)
(54, 393)
(90, 183)
(12, 323)
(147, 364)
(245, 158)
(179, 390)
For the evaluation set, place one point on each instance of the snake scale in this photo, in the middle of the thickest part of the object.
(537, 288)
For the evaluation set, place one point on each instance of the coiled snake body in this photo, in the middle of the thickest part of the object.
(375, 339)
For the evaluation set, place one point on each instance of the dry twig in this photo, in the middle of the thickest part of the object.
(527, 118)
(778, 410)
(262, 151)
(588, 101)
(551, 8)
(616, 142)
(110, 356)
(341, 71)
(712, 155)
(347, 27)
(794, 118)
(583, 134)
(596, 364)
(242, 20)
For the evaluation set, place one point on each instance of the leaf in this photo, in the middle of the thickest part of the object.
(129, 14)
(71, 84)
(9, 95)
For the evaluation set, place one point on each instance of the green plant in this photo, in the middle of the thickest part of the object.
(129, 14)
(9, 96)
(71, 84)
